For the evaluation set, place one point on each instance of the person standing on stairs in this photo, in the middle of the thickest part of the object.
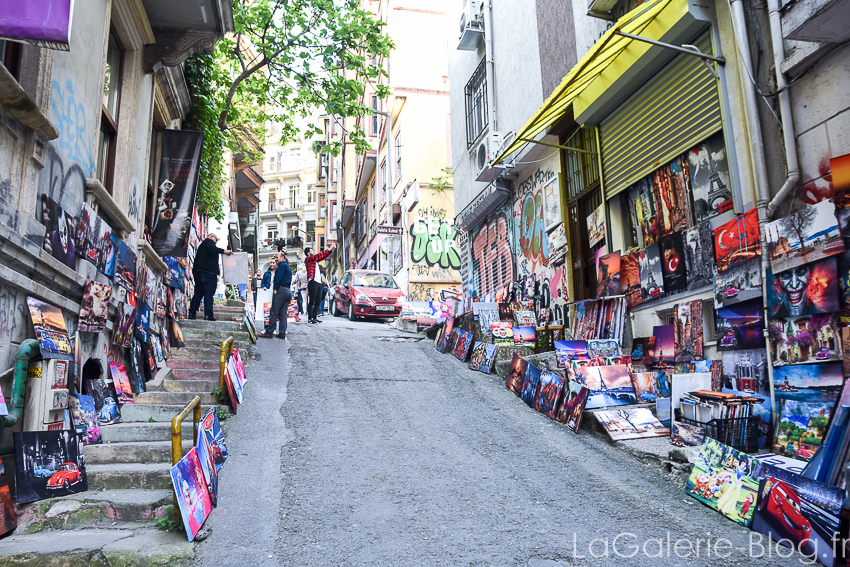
(205, 271)
(314, 285)
(282, 296)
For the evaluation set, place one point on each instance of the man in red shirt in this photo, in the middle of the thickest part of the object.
(314, 287)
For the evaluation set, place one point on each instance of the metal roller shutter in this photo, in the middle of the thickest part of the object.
(676, 109)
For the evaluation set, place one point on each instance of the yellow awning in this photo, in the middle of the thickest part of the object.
(609, 58)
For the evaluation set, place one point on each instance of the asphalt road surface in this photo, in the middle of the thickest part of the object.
(361, 445)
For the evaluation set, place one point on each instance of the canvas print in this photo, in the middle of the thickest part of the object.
(84, 415)
(125, 267)
(685, 435)
(487, 314)
(643, 350)
(463, 344)
(59, 236)
(630, 279)
(143, 317)
(709, 177)
(86, 234)
(665, 343)
(3, 409)
(804, 236)
(151, 284)
(110, 255)
(524, 318)
(737, 241)
(807, 339)
(177, 335)
(187, 476)
(805, 290)
(689, 331)
(608, 275)
(50, 330)
(603, 348)
(651, 279)
(645, 386)
(121, 381)
(483, 357)
(525, 337)
(516, 374)
(725, 480)
(454, 338)
(741, 282)
(608, 385)
(448, 326)
(137, 373)
(207, 461)
(740, 326)
(596, 226)
(215, 438)
(230, 382)
(103, 394)
(805, 396)
(94, 307)
(48, 464)
(8, 517)
(567, 352)
(799, 512)
(125, 321)
(673, 272)
(630, 423)
(746, 371)
(530, 385)
(238, 382)
(549, 393)
(503, 334)
(571, 411)
(699, 255)
(642, 212)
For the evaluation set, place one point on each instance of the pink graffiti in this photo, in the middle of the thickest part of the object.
(532, 230)
(811, 192)
(492, 256)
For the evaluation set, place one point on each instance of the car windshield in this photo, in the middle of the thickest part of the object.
(374, 280)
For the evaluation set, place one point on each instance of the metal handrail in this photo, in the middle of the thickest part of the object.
(226, 351)
(177, 433)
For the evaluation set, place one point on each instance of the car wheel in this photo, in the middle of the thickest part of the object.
(337, 312)
(66, 484)
(351, 316)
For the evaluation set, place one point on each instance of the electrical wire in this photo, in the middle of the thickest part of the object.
(537, 160)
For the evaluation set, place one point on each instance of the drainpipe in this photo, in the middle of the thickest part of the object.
(491, 74)
(28, 350)
(784, 108)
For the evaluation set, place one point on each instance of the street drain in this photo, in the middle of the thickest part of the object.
(400, 339)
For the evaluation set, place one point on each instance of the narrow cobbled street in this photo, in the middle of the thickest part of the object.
(361, 445)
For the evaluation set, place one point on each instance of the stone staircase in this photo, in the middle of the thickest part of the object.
(128, 479)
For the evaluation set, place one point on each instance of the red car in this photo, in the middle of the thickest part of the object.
(367, 293)
(781, 508)
(67, 475)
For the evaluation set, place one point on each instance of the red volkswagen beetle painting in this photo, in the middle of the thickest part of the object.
(67, 475)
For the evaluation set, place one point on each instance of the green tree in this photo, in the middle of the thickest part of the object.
(290, 57)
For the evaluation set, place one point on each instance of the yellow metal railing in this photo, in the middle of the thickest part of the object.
(226, 351)
(177, 433)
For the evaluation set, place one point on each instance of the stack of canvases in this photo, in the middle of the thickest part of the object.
(234, 379)
(461, 344)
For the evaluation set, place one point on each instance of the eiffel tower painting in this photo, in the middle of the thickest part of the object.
(709, 179)
(719, 196)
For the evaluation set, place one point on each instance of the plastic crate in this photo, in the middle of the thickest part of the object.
(741, 433)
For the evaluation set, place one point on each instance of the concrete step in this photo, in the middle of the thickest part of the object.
(238, 342)
(217, 326)
(137, 452)
(123, 476)
(190, 374)
(90, 508)
(136, 431)
(172, 398)
(187, 364)
(130, 545)
(154, 412)
(198, 386)
(186, 353)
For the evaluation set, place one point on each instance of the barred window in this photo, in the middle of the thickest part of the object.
(476, 104)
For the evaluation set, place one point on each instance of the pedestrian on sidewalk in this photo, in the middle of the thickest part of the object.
(269, 275)
(280, 284)
(314, 286)
(324, 293)
(300, 282)
(205, 271)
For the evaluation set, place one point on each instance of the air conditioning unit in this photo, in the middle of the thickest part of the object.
(471, 25)
(481, 156)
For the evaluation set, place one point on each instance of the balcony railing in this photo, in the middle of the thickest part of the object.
(284, 205)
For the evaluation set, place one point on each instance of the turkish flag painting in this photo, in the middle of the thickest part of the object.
(737, 241)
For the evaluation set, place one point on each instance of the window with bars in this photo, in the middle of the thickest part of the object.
(476, 104)
(582, 168)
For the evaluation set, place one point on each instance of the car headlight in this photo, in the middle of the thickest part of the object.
(362, 298)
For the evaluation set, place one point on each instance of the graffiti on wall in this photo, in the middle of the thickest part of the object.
(433, 242)
(492, 260)
(70, 118)
(529, 219)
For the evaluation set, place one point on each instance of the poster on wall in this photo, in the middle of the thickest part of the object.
(551, 204)
(803, 236)
(178, 183)
(673, 263)
(740, 326)
(737, 241)
(709, 173)
(596, 226)
(630, 279)
(50, 329)
(804, 290)
(125, 267)
(608, 275)
(738, 283)
(699, 256)
(58, 237)
(94, 307)
(651, 279)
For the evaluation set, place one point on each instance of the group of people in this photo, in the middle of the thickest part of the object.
(309, 283)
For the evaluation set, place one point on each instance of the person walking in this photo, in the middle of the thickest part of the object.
(314, 286)
(281, 282)
(324, 293)
(255, 285)
(301, 287)
(205, 271)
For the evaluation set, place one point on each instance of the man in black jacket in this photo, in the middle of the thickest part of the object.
(205, 272)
